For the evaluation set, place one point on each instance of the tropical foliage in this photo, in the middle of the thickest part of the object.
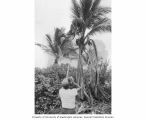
(47, 84)
(88, 18)
(60, 46)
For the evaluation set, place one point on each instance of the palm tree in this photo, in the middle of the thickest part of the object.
(60, 46)
(88, 18)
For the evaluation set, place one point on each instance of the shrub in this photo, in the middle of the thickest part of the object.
(47, 87)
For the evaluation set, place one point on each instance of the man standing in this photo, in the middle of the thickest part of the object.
(68, 94)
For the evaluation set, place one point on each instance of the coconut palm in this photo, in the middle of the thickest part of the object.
(60, 46)
(88, 18)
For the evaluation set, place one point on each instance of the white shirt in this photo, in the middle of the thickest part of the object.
(68, 97)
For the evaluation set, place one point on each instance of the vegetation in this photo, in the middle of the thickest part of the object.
(60, 46)
(95, 81)
(47, 84)
(88, 15)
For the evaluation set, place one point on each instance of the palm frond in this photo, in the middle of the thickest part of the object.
(56, 43)
(103, 28)
(76, 9)
(102, 11)
(49, 40)
(57, 36)
(45, 48)
(95, 5)
(103, 25)
(51, 44)
(90, 12)
(85, 8)
(102, 21)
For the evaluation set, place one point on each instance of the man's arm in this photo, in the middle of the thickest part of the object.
(78, 87)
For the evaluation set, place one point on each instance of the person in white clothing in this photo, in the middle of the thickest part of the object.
(68, 94)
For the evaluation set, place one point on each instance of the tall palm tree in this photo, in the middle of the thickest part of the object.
(60, 46)
(88, 18)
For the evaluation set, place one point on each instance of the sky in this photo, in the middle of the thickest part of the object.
(50, 14)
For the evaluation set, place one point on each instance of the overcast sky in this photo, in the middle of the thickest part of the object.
(57, 13)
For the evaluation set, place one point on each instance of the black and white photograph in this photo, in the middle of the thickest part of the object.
(73, 71)
(72, 59)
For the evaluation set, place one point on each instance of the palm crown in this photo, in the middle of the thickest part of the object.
(88, 14)
(60, 46)
(88, 18)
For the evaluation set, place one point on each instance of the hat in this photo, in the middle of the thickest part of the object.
(70, 79)
(64, 81)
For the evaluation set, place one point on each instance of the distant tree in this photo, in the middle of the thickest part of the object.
(60, 46)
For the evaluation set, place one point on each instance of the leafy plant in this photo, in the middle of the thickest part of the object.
(47, 85)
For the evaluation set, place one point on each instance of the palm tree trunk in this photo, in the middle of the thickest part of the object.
(91, 82)
(80, 73)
